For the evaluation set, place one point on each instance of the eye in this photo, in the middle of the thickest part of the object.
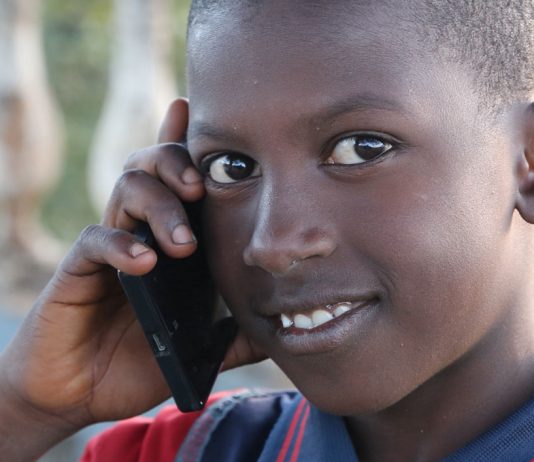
(358, 149)
(230, 168)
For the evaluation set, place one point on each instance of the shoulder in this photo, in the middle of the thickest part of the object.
(232, 419)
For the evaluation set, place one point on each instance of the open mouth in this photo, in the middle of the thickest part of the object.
(319, 316)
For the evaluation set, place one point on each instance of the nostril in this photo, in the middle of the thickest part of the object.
(285, 251)
(271, 259)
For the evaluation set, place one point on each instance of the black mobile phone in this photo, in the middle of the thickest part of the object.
(177, 307)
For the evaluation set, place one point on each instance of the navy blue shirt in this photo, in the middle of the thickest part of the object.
(285, 427)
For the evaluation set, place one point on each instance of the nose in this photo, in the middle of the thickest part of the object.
(289, 229)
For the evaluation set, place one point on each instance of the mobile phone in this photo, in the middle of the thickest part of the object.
(177, 307)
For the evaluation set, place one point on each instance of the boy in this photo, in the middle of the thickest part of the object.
(369, 193)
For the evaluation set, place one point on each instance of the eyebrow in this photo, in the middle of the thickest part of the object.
(206, 130)
(358, 103)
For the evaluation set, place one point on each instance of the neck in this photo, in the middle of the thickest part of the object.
(458, 404)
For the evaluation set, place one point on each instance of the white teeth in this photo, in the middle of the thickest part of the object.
(317, 318)
(286, 321)
(320, 317)
(302, 321)
(341, 309)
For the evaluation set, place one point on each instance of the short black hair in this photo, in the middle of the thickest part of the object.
(494, 37)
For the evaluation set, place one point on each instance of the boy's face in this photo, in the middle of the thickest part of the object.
(416, 238)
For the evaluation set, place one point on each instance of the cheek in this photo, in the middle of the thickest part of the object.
(432, 242)
(441, 257)
(228, 228)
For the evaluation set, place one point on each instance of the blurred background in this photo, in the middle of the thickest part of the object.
(82, 85)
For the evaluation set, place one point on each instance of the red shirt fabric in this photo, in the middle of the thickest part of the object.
(145, 439)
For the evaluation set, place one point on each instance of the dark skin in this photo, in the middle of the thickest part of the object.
(80, 356)
(436, 230)
(420, 227)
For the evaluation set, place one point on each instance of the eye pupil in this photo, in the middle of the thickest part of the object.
(368, 148)
(237, 168)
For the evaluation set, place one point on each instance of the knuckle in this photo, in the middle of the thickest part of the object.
(174, 151)
(89, 238)
(171, 148)
(127, 178)
(169, 210)
(147, 157)
(114, 235)
(90, 233)
(98, 239)
(132, 161)
(160, 211)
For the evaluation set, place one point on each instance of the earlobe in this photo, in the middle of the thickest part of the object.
(525, 168)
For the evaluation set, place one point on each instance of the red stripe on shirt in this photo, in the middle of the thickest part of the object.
(298, 442)
(289, 436)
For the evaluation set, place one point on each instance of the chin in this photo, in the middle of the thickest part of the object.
(355, 402)
(351, 393)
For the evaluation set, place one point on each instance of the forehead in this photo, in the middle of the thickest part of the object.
(290, 58)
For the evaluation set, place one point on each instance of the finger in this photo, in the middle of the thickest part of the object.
(242, 351)
(174, 127)
(139, 197)
(171, 164)
(98, 247)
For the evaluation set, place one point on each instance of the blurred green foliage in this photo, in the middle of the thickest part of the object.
(78, 41)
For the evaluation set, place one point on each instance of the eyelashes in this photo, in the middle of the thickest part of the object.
(230, 168)
(358, 149)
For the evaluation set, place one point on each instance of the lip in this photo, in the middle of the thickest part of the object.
(329, 336)
(292, 306)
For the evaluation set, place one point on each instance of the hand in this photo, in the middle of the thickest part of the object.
(80, 356)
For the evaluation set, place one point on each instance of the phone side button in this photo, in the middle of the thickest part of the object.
(158, 345)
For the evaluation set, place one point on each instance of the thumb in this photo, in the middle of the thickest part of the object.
(174, 127)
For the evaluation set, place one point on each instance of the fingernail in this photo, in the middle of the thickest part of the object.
(138, 249)
(182, 235)
(190, 176)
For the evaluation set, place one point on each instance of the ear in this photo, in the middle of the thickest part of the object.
(525, 168)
